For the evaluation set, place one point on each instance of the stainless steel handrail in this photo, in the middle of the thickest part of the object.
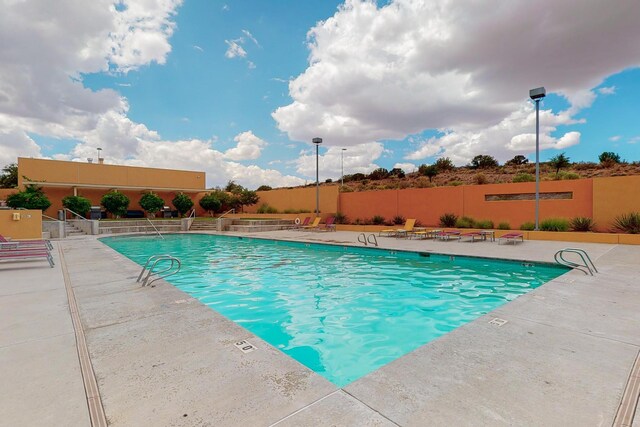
(587, 266)
(51, 218)
(76, 214)
(192, 214)
(158, 274)
(230, 210)
(154, 227)
(366, 240)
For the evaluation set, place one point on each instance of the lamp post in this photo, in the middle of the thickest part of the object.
(536, 95)
(342, 167)
(317, 141)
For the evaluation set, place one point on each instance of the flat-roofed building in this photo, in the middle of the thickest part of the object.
(59, 179)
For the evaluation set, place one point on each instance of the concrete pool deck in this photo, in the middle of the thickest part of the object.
(563, 358)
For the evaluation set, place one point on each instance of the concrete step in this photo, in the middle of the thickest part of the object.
(140, 229)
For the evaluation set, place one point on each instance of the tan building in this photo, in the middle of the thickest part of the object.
(92, 180)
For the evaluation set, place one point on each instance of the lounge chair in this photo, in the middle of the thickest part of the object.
(511, 237)
(406, 229)
(7, 254)
(329, 225)
(448, 235)
(304, 223)
(425, 234)
(313, 226)
(35, 243)
(472, 236)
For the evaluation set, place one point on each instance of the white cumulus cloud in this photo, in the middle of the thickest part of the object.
(248, 147)
(463, 67)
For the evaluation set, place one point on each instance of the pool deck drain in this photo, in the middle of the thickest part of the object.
(564, 357)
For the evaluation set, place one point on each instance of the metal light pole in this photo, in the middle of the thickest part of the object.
(536, 95)
(317, 141)
(342, 166)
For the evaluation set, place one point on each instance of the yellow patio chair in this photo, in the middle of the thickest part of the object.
(313, 225)
(408, 228)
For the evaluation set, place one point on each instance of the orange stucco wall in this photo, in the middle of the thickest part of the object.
(28, 226)
(428, 204)
(614, 196)
(79, 173)
(299, 199)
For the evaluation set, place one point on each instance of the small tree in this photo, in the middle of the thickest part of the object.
(31, 198)
(232, 187)
(518, 160)
(78, 204)
(483, 161)
(558, 162)
(210, 203)
(444, 164)
(380, 173)
(397, 172)
(115, 203)
(264, 188)
(609, 158)
(9, 177)
(429, 171)
(151, 203)
(247, 198)
(182, 203)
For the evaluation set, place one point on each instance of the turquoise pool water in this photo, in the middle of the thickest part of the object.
(341, 311)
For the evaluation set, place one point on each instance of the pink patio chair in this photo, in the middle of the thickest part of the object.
(511, 237)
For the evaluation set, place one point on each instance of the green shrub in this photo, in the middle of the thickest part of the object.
(485, 224)
(210, 203)
(377, 220)
(77, 204)
(567, 175)
(151, 203)
(504, 226)
(524, 177)
(266, 209)
(582, 224)
(628, 223)
(554, 224)
(423, 182)
(444, 164)
(399, 220)
(465, 222)
(341, 218)
(448, 220)
(480, 179)
(483, 161)
(264, 188)
(527, 226)
(31, 198)
(456, 183)
(182, 203)
(609, 158)
(115, 203)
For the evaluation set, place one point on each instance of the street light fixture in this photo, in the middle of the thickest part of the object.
(342, 166)
(536, 95)
(317, 141)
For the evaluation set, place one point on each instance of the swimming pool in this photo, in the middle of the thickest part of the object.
(341, 311)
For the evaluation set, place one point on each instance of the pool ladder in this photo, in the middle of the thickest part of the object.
(366, 240)
(152, 275)
(587, 266)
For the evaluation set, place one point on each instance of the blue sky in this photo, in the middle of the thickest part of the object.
(238, 89)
